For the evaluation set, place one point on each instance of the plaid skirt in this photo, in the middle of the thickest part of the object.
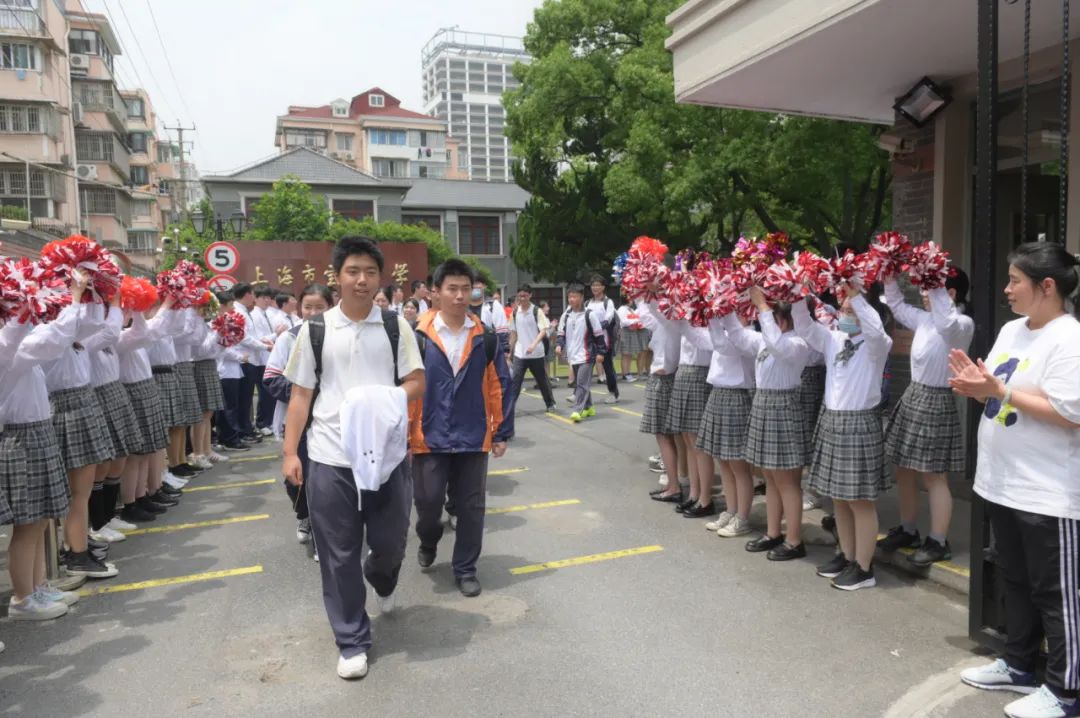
(776, 437)
(924, 431)
(654, 420)
(208, 385)
(119, 417)
(152, 433)
(725, 424)
(633, 341)
(688, 399)
(168, 386)
(190, 410)
(33, 482)
(849, 456)
(81, 430)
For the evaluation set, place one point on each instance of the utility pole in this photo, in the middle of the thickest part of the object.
(180, 130)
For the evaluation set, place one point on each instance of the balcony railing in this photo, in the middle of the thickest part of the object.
(102, 97)
(103, 147)
(104, 200)
(24, 21)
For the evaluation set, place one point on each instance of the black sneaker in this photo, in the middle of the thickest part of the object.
(182, 471)
(237, 446)
(697, 511)
(930, 552)
(425, 557)
(135, 514)
(689, 503)
(171, 491)
(853, 578)
(469, 586)
(764, 543)
(787, 552)
(833, 567)
(899, 538)
(83, 564)
(164, 499)
(148, 504)
(251, 439)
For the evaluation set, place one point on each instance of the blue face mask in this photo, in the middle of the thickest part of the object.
(848, 325)
(477, 295)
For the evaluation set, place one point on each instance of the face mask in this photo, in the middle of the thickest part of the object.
(848, 325)
(477, 295)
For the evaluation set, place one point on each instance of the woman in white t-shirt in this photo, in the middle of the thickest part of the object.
(1029, 474)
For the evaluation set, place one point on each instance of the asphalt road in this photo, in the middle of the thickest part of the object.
(688, 624)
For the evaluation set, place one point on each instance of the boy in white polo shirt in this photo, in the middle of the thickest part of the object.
(356, 350)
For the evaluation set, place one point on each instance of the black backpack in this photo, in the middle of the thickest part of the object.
(317, 336)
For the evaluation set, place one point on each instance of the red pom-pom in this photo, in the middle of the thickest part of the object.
(650, 246)
(847, 270)
(61, 258)
(230, 328)
(137, 294)
(892, 252)
(781, 283)
(185, 283)
(813, 271)
(930, 266)
(30, 293)
(643, 271)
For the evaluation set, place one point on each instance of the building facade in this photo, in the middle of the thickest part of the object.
(375, 134)
(37, 140)
(464, 76)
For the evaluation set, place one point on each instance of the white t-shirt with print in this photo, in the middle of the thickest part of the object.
(1026, 463)
(353, 354)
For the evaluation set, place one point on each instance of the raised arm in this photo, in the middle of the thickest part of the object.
(785, 346)
(911, 317)
(809, 329)
(873, 331)
(745, 340)
(956, 328)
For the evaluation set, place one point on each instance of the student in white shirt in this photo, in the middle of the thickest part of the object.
(491, 312)
(924, 437)
(356, 350)
(231, 375)
(582, 341)
(849, 454)
(776, 439)
(601, 305)
(528, 327)
(421, 293)
(664, 344)
(1027, 472)
(633, 340)
(257, 345)
(267, 332)
(397, 298)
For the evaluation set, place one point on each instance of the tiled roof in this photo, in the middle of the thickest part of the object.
(361, 105)
(460, 194)
(308, 165)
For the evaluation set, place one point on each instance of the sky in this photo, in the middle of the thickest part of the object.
(230, 67)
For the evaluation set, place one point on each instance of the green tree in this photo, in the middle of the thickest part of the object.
(182, 234)
(608, 154)
(290, 212)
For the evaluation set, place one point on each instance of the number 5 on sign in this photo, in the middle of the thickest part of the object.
(221, 258)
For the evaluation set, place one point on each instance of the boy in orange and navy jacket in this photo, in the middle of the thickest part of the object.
(464, 414)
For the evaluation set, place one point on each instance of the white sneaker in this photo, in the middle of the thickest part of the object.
(267, 431)
(570, 399)
(316, 556)
(721, 521)
(663, 481)
(303, 530)
(217, 458)
(811, 502)
(998, 676)
(611, 399)
(33, 609)
(387, 604)
(736, 527)
(174, 481)
(199, 461)
(110, 535)
(118, 524)
(46, 593)
(355, 667)
(655, 460)
(631, 378)
(97, 536)
(1040, 704)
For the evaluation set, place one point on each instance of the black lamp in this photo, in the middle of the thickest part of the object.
(922, 102)
(237, 220)
(198, 221)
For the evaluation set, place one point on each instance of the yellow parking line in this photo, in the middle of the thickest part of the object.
(578, 561)
(504, 472)
(527, 507)
(625, 411)
(196, 525)
(231, 485)
(563, 419)
(946, 565)
(155, 583)
(242, 459)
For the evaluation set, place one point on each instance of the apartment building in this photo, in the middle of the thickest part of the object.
(37, 143)
(375, 134)
(464, 75)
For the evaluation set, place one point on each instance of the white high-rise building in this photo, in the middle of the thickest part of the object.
(465, 75)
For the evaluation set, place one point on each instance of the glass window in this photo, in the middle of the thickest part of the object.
(136, 108)
(137, 141)
(140, 175)
(432, 221)
(20, 118)
(389, 137)
(300, 138)
(344, 143)
(478, 235)
(18, 56)
(389, 168)
(164, 153)
(82, 42)
(354, 208)
(376, 100)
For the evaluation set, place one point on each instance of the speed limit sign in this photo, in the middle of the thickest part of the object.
(221, 258)
(222, 282)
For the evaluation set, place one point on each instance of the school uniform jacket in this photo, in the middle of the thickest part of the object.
(465, 412)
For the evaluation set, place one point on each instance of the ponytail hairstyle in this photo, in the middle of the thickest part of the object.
(1050, 260)
(961, 284)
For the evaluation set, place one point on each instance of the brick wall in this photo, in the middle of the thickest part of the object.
(913, 183)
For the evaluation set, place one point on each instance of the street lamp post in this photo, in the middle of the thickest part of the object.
(237, 221)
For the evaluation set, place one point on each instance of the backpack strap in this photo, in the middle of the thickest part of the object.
(491, 344)
(393, 333)
(317, 337)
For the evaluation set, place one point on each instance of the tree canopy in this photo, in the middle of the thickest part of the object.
(290, 212)
(608, 154)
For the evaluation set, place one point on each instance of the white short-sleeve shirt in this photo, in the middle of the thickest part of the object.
(353, 354)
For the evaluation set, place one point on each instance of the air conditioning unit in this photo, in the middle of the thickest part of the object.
(76, 113)
(349, 156)
(80, 64)
(334, 155)
(86, 172)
